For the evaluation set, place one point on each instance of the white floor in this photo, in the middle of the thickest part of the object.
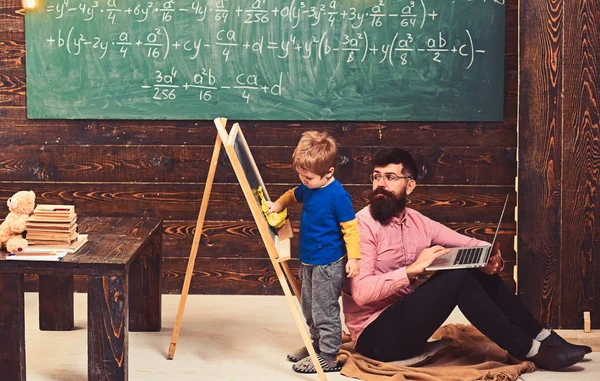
(222, 338)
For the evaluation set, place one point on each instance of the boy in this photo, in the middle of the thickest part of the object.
(328, 235)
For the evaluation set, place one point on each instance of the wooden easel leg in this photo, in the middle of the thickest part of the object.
(192, 259)
(290, 277)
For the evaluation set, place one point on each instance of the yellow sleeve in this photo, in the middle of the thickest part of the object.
(352, 238)
(288, 198)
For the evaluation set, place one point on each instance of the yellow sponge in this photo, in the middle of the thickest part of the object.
(274, 219)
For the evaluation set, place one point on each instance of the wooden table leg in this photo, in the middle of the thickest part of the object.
(107, 328)
(144, 287)
(12, 327)
(56, 302)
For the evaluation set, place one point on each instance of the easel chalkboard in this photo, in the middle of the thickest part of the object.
(278, 250)
(364, 60)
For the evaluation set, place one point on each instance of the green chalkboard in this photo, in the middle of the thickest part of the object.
(250, 174)
(266, 59)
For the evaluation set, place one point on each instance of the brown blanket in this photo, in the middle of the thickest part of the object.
(462, 353)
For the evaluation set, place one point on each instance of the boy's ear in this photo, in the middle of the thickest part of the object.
(330, 172)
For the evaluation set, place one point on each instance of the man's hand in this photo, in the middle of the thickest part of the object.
(425, 258)
(352, 267)
(274, 207)
(495, 262)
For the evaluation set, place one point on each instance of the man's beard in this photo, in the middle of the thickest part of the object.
(386, 206)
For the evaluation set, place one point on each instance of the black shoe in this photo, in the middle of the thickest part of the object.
(553, 355)
(555, 338)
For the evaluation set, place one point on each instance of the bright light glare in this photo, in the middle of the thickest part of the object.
(30, 4)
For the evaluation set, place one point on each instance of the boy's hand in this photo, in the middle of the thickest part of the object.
(274, 207)
(352, 267)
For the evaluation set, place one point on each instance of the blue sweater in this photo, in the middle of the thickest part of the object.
(323, 209)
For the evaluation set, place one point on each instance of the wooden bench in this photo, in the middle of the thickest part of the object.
(121, 259)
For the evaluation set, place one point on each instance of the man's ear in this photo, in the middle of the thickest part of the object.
(410, 187)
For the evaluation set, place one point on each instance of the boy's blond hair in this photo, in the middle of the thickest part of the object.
(316, 152)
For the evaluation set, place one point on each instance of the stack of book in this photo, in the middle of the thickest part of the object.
(54, 228)
(51, 234)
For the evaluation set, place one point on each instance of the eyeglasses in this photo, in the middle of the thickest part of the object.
(389, 177)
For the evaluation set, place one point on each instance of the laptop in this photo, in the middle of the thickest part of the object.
(466, 257)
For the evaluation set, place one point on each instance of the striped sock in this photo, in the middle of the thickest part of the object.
(543, 334)
(535, 348)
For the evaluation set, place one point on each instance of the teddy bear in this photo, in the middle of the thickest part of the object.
(21, 206)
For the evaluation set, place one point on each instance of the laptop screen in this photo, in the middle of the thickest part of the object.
(499, 222)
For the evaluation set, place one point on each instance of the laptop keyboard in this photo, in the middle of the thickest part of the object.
(468, 256)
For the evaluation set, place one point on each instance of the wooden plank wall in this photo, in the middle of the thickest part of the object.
(559, 161)
(158, 168)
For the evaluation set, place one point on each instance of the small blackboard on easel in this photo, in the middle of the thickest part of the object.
(248, 171)
(278, 248)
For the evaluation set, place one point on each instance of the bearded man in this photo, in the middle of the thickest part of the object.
(389, 320)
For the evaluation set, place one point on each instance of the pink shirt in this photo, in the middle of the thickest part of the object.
(386, 251)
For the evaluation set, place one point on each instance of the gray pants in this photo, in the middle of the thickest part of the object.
(321, 289)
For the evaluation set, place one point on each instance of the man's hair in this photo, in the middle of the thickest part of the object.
(387, 156)
(316, 152)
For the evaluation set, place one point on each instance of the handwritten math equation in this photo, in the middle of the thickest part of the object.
(319, 30)
(259, 11)
(206, 83)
